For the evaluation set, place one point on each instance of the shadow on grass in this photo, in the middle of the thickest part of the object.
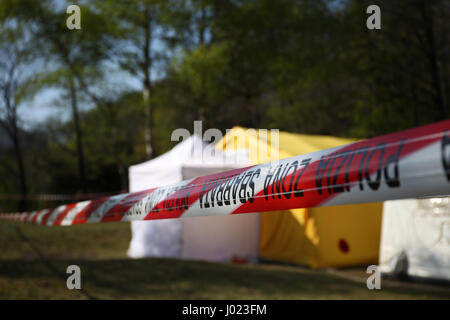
(175, 279)
(34, 259)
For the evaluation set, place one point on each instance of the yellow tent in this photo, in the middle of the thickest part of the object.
(318, 237)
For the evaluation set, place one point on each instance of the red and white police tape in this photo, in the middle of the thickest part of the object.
(407, 164)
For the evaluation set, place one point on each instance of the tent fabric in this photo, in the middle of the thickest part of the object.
(415, 238)
(220, 238)
(163, 169)
(290, 245)
(317, 237)
(160, 238)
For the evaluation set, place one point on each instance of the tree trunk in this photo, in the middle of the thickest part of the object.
(201, 115)
(147, 82)
(427, 15)
(78, 135)
(20, 165)
(10, 125)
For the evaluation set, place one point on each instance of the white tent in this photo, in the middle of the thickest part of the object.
(415, 238)
(218, 238)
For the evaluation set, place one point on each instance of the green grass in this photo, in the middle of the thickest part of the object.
(33, 261)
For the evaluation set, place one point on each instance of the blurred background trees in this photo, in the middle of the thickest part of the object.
(139, 69)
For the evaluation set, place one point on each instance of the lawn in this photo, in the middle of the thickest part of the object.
(33, 262)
